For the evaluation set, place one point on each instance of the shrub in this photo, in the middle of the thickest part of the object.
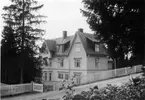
(143, 70)
(128, 91)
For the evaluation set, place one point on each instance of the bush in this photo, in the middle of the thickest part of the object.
(128, 91)
(143, 70)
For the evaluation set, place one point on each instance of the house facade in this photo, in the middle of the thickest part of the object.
(78, 55)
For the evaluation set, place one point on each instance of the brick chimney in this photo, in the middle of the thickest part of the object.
(64, 34)
(80, 30)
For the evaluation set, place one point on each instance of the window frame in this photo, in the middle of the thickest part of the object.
(50, 76)
(60, 75)
(61, 62)
(45, 61)
(45, 76)
(77, 62)
(97, 47)
(97, 62)
(77, 46)
(66, 74)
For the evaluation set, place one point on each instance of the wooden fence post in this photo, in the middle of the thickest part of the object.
(126, 71)
(11, 91)
(94, 76)
(115, 72)
(32, 85)
(135, 69)
(54, 87)
(115, 67)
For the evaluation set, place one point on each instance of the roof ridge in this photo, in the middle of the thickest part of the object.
(60, 37)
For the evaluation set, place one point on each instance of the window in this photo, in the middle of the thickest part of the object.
(60, 62)
(77, 47)
(66, 76)
(60, 75)
(45, 61)
(77, 62)
(49, 63)
(63, 75)
(57, 48)
(97, 47)
(50, 75)
(45, 75)
(96, 62)
(60, 48)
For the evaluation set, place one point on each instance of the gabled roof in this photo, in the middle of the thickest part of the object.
(61, 41)
(85, 37)
(51, 45)
(90, 51)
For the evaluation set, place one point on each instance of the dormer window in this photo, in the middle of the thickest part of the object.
(45, 60)
(97, 47)
(60, 48)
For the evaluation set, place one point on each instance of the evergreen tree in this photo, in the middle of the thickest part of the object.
(20, 35)
(120, 24)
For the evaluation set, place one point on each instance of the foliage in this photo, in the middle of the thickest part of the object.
(20, 59)
(120, 24)
(143, 70)
(128, 91)
(68, 85)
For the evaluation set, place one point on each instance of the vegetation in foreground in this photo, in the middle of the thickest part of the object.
(134, 90)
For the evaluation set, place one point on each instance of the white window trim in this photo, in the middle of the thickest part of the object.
(97, 62)
(76, 61)
(61, 61)
(59, 75)
(77, 47)
(97, 47)
(49, 76)
(66, 74)
(45, 76)
(63, 75)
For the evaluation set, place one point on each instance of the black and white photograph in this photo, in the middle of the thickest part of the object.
(72, 49)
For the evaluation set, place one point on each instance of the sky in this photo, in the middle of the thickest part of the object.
(62, 15)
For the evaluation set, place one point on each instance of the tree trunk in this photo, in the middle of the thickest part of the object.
(22, 46)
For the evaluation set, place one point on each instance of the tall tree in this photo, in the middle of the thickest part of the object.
(21, 19)
(120, 24)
